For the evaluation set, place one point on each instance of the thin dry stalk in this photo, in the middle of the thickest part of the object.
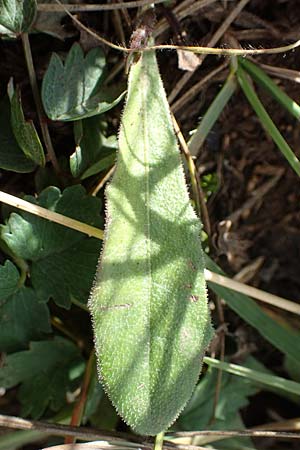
(50, 7)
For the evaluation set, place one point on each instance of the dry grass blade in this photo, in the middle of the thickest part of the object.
(265, 297)
(282, 72)
(49, 7)
(50, 215)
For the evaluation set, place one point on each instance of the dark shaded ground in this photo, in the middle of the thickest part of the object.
(258, 195)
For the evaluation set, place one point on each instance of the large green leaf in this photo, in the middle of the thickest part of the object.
(17, 15)
(46, 372)
(63, 261)
(150, 313)
(22, 317)
(71, 91)
(11, 155)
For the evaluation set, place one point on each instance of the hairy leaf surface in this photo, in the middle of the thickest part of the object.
(149, 306)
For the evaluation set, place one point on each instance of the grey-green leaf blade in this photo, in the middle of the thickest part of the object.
(150, 314)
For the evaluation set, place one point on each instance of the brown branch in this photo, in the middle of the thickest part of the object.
(91, 434)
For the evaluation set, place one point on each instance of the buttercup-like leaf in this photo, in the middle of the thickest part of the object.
(71, 91)
(45, 374)
(61, 260)
(149, 306)
(17, 15)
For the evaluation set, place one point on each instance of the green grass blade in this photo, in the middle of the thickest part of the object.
(268, 84)
(212, 114)
(266, 121)
(272, 381)
(282, 338)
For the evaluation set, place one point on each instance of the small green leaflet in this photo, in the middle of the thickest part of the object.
(149, 307)
(17, 15)
(11, 155)
(72, 91)
(24, 130)
(94, 151)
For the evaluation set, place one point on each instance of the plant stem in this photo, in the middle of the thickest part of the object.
(37, 99)
(80, 404)
(159, 440)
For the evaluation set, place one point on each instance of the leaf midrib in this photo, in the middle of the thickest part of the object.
(146, 149)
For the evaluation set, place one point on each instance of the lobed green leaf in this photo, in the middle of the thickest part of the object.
(71, 91)
(149, 307)
(17, 15)
(62, 260)
(45, 374)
